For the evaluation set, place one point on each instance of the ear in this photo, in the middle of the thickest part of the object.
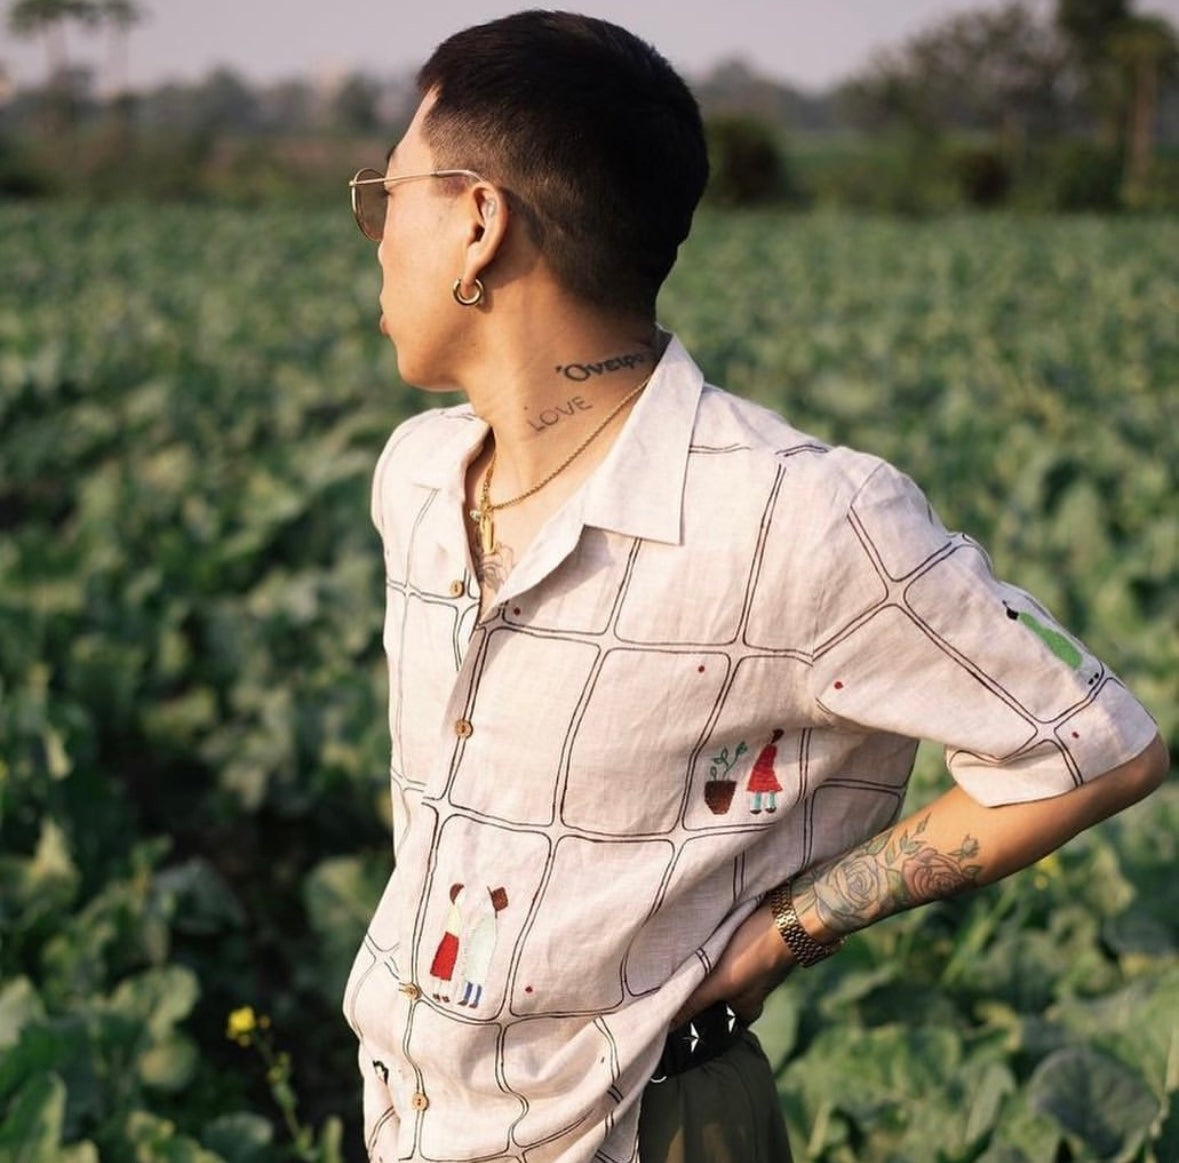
(487, 228)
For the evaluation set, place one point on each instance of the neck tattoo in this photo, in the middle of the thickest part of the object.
(483, 516)
(580, 372)
(550, 416)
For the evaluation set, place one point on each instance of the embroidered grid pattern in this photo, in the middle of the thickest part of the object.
(595, 785)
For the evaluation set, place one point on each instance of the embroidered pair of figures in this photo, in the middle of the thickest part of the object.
(468, 943)
(761, 787)
(467, 946)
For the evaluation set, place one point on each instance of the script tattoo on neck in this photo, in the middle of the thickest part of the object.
(547, 417)
(580, 372)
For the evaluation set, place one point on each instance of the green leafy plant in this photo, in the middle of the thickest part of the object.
(193, 748)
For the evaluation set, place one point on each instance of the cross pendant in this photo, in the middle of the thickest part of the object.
(486, 521)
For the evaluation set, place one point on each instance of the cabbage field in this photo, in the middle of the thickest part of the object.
(192, 733)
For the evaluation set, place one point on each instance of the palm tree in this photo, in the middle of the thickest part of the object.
(119, 16)
(48, 18)
(1088, 27)
(1144, 47)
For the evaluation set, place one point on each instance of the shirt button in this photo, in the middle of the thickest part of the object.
(457, 589)
(411, 991)
(419, 1102)
(463, 728)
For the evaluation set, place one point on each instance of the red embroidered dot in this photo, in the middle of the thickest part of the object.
(515, 609)
(1075, 735)
(528, 989)
(700, 669)
(838, 686)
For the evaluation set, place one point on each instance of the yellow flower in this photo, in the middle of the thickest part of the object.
(242, 1022)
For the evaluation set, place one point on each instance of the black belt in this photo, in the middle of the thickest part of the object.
(709, 1034)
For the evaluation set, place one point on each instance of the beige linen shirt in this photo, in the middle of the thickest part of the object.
(706, 673)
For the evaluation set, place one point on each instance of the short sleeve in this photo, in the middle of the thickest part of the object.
(915, 636)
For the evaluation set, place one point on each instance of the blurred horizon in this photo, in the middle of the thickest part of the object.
(1057, 104)
(809, 47)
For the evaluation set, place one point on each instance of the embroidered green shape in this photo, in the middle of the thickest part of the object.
(1053, 639)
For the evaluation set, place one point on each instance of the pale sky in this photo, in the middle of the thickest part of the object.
(810, 43)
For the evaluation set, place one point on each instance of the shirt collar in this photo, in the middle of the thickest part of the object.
(442, 462)
(638, 489)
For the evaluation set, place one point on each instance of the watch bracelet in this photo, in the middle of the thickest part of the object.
(807, 951)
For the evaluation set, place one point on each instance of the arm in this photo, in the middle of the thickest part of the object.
(950, 845)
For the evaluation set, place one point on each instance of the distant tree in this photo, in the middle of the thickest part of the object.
(168, 105)
(995, 71)
(748, 165)
(998, 70)
(886, 95)
(1088, 27)
(48, 19)
(288, 106)
(1121, 58)
(1144, 48)
(354, 108)
(734, 87)
(223, 101)
(119, 17)
(984, 179)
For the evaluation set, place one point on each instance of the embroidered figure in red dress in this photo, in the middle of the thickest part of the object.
(446, 955)
(763, 783)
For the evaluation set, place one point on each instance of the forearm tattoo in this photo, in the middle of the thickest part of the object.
(889, 873)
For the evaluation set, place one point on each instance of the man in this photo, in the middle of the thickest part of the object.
(613, 590)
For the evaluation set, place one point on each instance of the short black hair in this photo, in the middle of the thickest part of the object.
(596, 138)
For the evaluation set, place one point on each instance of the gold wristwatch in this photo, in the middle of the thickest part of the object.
(807, 951)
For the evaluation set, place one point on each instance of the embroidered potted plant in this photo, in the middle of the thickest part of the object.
(720, 785)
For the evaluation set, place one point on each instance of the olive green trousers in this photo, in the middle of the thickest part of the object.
(723, 1111)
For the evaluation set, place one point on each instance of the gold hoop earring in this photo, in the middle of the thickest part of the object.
(474, 300)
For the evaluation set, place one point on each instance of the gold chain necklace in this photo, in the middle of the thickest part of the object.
(484, 515)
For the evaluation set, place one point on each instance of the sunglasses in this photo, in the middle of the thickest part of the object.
(370, 192)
